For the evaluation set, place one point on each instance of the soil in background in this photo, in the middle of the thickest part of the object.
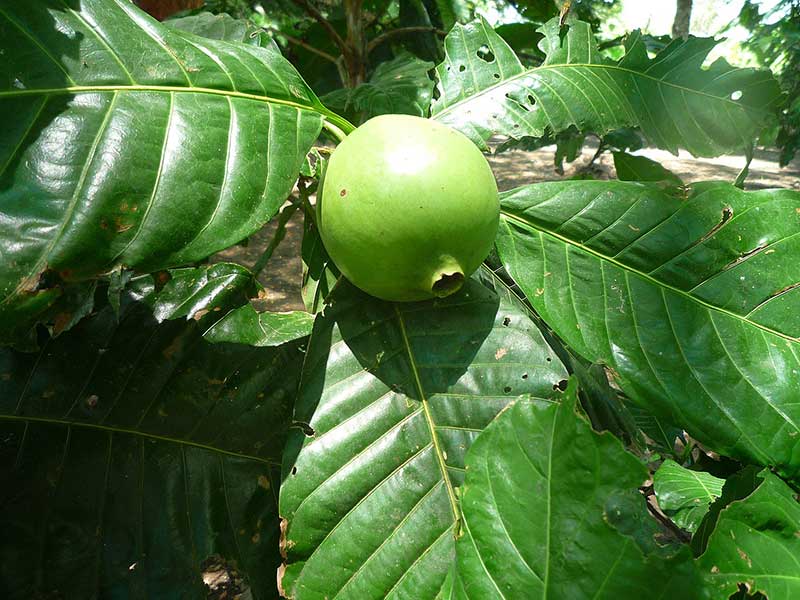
(282, 276)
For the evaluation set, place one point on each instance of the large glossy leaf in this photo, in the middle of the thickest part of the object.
(685, 495)
(541, 500)
(133, 453)
(143, 146)
(692, 300)
(484, 89)
(756, 543)
(392, 397)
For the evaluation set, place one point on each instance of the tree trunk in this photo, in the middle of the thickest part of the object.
(355, 53)
(161, 9)
(683, 16)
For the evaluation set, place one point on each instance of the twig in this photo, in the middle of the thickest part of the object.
(611, 43)
(317, 16)
(655, 510)
(600, 149)
(301, 43)
(375, 42)
(277, 238)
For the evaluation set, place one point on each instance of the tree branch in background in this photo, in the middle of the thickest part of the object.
(301, 43)
(375, 42)
(683, 17)
(317, 16)
(611, 43)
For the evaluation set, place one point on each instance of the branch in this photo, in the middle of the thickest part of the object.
(374, 43)
(301, 43)
(280, 232)
(317, 16)
(611, 43)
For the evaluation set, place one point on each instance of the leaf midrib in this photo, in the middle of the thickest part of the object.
(78, 89)
(429, 420)
(645, 276)
(643, 74)
(328, 115)
(142, 434)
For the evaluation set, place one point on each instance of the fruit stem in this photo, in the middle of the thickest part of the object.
(334, 130)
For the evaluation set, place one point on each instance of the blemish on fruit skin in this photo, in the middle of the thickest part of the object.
(343, 193)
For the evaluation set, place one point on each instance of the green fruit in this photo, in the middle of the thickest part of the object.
(408, 208)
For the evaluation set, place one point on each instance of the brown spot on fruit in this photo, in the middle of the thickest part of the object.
(343, 193)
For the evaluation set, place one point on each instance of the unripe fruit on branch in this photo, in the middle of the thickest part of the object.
(408, 208)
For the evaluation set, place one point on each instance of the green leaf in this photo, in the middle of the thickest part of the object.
(392, 396)
(757, 543)
(692, 300)
(220, 27)
(245, 325)
(660, 431)
(604, 405)
(542, 501)
(319, 272)
(398, 86)
(640, 168)
(193, 292)
(685, 495)
(484, 90)
(134, 453)
(522, 38)
(737, 487)
(144, 146)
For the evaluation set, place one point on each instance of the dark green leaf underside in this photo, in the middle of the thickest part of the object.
(133, 452)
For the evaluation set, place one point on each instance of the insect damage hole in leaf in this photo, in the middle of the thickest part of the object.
(727, 215)
(485, 54)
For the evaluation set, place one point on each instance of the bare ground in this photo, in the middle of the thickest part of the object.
(282, 276)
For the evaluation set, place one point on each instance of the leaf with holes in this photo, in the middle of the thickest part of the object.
(144, 146)
(392, 396)
(693, 300)
(685, 495)
(543, 503)
(135, 455)
(484, 90)
(756, 543)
